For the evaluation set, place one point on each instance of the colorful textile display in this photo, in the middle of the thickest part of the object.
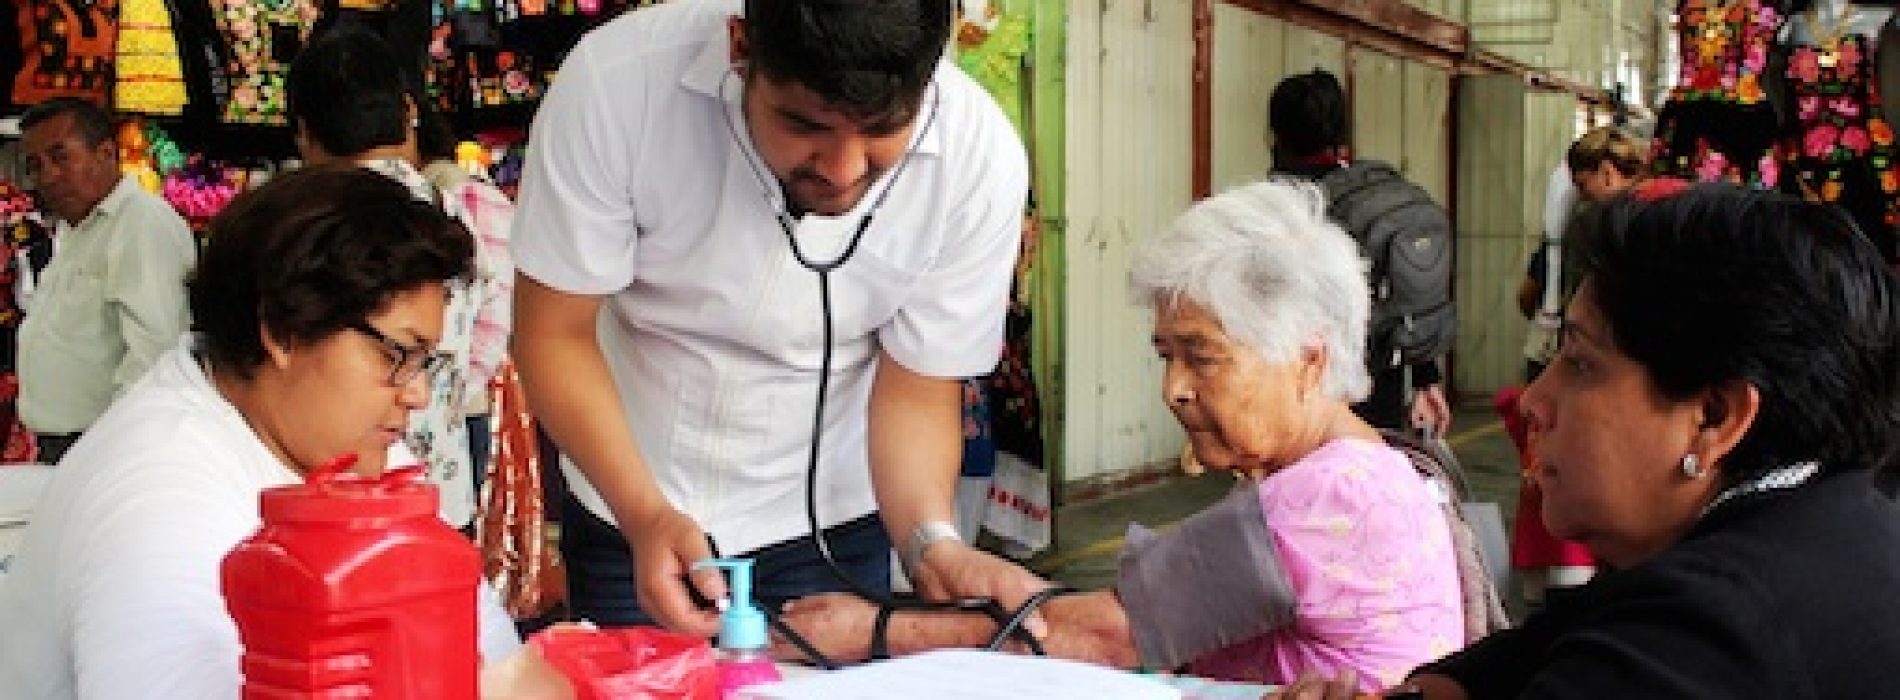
(69, 46)
(1718, 124)
(150, 79)
(262, 36)
(1841, 149)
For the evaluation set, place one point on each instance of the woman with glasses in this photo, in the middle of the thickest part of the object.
(319, 307)
(347, 105)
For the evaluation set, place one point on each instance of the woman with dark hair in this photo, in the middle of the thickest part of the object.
(347, 105)
(1601, 164)
(1716, 428)
(319, 305)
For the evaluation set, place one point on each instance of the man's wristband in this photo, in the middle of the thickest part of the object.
(911, 553)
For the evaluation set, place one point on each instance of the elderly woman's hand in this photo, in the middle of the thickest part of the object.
(1345, 686)
(837, 624)
(951, 570)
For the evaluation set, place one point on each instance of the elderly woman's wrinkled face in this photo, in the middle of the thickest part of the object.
(1240, 411)
(342, 385)
(1609, 446)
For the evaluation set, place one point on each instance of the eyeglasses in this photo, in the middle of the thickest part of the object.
(407, 361)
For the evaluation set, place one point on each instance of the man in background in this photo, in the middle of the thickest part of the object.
(1402, 233)
(113, 296)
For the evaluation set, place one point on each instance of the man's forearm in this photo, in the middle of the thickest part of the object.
(915, 447)
(572, 393)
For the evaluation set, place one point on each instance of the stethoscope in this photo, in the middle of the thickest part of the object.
(1009, 623)
(781, 211)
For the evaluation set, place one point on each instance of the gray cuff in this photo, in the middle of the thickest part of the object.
(1212, 583)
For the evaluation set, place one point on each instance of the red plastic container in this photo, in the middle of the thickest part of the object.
(353, 588)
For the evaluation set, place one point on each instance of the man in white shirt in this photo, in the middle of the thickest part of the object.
(680, 151)
(113, 297)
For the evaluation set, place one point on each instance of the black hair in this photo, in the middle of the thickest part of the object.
(866, 58)
(435, 135)
(311, 252)
(91, 120)
(1719, 284)
(346, 90)
(1308, 114)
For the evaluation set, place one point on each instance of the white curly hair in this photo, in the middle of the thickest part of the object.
(1264, 261)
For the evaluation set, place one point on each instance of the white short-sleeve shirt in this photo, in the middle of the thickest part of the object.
(641, 184)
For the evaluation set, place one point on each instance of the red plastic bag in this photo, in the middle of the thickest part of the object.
(635, 663)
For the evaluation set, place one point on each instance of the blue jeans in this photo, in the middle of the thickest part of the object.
(600, 570)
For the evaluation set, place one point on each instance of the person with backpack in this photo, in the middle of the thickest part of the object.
(1405, 237)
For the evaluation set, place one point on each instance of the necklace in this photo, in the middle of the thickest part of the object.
(1775, 480)
(1829, 41)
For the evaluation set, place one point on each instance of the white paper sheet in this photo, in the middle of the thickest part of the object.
(967, 674)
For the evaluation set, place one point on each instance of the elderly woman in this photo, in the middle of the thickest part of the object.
(318, 303)
(1716, 427)
(1337, 557)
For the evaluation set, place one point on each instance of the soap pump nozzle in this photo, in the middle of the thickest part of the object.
(742, 625)
(743, 661)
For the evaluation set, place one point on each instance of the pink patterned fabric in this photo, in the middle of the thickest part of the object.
(1363, 540)
(490, 216)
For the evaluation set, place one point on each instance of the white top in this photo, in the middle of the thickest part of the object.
(116, 592)
(637, 188)
(438, 432)
(1560, 204)
(110, 302)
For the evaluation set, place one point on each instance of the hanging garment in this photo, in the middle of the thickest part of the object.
(1718, 125)
(68, 49)
(150, 77)
(261, 37)
(513, 535)
(26, 241)
(1841, 150)
(990, 47)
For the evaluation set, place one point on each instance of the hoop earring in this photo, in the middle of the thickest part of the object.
(1691, 466)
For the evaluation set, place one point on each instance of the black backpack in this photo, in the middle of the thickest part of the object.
(1407, 238)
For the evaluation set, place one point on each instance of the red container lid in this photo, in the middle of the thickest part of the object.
(332, 494)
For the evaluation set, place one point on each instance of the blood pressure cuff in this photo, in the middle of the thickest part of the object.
(1213, 582)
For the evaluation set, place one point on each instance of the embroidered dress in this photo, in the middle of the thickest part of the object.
(262, 36)
(1841, 150)
(25, 237)
(1718, 125)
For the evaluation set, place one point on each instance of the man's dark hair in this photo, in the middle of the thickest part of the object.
(345, 89)
(93, 123)
(867, 58)
(1308, 114)
(1718, 284)
(311, 252)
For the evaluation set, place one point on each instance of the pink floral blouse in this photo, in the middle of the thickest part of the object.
(1363, 540)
